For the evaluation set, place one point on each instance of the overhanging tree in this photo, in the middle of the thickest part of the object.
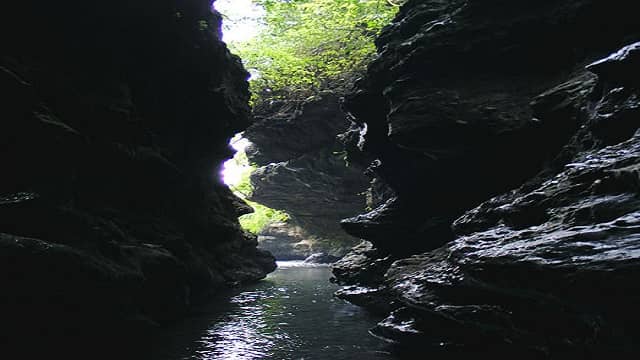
(310, 46)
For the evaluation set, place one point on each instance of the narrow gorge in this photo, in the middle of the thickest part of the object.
(478, 180)
(302, 153)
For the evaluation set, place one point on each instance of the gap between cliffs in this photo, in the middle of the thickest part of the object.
(501, 140)
(303, 58)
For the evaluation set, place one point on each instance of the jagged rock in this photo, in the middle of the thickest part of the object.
(321, 258)
(362, 272)
(466, 102)
(364, 265)
(388, 222)
(287, 131)
(304, 170)
(445, 108)
(619, 66)
(285, 241)
(556, 283)
(117, 118)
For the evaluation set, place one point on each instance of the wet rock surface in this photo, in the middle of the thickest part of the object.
(361, 272)
(304, 171)
(321, 258)
(115, 122)
(556, 284)
(465, 103)
(286, 241)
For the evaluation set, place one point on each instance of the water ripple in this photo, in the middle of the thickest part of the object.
(290, 315)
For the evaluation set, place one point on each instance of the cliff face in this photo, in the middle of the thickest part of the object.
(116, 124)
(304, 170)
(468, 100)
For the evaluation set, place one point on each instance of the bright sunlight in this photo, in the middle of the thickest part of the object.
(242, 19)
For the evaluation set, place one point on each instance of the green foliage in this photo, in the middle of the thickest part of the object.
(305, 47)
(308, 46)
(243, 188)
(262, 215)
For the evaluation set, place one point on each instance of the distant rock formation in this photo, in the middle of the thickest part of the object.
(467, 101)
(304, 171)
(285, 241)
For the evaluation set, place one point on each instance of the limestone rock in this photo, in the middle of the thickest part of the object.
(305, 172)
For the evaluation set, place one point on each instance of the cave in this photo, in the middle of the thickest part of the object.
(475, 188)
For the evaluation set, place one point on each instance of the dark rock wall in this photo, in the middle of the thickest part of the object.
(115, 120)
(446, 104)
(468, 100)
(304, 170)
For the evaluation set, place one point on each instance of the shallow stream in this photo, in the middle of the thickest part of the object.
(289, 315)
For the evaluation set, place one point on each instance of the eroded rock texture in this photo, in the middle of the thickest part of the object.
(305, 172)
(468, 100)
(115, 121)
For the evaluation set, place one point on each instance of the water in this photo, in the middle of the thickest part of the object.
(289, 315)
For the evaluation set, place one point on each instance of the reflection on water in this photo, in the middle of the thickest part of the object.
(251, 331)
(290, 315)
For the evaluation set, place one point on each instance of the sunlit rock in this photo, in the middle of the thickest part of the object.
(304, 171)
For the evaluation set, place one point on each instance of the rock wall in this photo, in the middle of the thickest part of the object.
(115, 122)
(469, 100)
(304, 171)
